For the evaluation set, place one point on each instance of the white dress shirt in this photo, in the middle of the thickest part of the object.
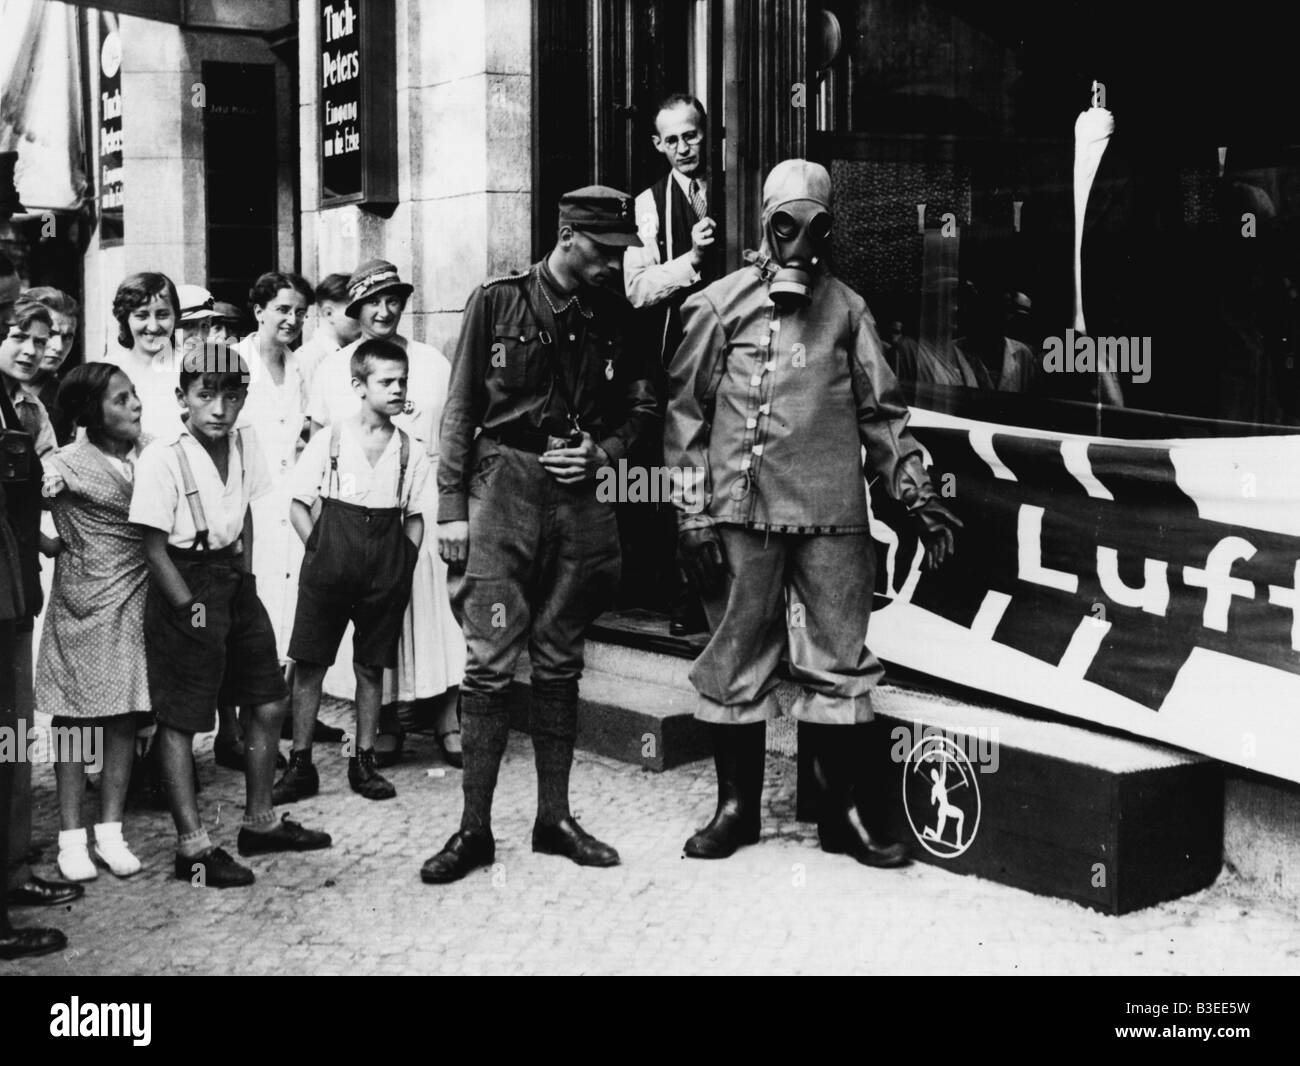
(646, 279)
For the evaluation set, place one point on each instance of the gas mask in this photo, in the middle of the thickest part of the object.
(796, 228)
(798, 234)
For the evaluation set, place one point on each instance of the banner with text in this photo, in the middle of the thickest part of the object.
(1149, 586)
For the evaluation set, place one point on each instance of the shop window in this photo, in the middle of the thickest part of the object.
(970, 147)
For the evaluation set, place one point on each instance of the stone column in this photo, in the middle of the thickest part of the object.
(464, 158)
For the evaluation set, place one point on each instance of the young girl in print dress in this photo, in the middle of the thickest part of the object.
(91, 671)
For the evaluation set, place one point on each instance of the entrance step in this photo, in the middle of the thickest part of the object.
(634, 706)
(1112, 823)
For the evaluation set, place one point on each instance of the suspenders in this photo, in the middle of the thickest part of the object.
(332, 482)
(192, 497)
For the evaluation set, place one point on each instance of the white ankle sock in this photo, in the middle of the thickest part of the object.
(74, 859)
(111, 849)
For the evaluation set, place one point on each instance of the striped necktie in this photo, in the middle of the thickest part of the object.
(697, 200)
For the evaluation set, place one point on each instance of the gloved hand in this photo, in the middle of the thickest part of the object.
(699, 553)
(937, 524)
(914, 490)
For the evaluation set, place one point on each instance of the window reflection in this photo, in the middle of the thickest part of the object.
(1047, 219)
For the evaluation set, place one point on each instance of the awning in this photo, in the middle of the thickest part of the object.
(40, 118)
(161, 10)
(246, 15)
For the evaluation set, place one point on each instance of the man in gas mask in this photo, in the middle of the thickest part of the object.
(779, 381)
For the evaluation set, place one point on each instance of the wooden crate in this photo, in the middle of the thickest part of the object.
(1110, 823)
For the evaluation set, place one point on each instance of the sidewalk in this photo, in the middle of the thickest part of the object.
(780, 907)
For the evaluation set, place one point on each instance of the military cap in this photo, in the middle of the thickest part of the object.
(603, 214)
(371, 278)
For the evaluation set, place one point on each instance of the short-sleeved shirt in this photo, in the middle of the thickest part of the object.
(158, 500)
(358, 482)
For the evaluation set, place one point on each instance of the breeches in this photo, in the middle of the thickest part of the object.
(543, 565)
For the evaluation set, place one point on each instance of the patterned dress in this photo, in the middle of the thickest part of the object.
(91, 661)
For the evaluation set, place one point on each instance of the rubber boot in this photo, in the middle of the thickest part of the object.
(739, 756)
(851, 814)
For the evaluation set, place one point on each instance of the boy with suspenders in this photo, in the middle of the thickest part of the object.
(207, 636)
(372, 486)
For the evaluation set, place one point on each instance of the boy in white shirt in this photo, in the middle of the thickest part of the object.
(371, 479)
(207, 636)
(334, 329)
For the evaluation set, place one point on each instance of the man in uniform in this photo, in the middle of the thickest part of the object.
(547, 371)
(778, 383)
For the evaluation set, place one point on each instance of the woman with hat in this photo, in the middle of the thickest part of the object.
(431, 655)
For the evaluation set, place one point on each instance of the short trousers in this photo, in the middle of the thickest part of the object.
(357, 568)
(221, 650)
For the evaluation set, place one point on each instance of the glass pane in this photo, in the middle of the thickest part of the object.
(1072, 206)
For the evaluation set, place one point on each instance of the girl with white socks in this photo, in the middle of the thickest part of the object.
(91, 675)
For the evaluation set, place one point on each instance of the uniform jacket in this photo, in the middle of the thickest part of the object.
(503, 374)
(775, 406)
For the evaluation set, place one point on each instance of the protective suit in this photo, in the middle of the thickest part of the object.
(778, 386)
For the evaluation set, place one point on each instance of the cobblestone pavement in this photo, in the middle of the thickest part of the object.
(780, 907)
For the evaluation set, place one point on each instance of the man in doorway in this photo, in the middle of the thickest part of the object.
(680, 253)
(547, 370)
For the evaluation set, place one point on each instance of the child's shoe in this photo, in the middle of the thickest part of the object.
(213, 869)
(298, 782)
(366, 780)
(111, 850)
(74, 857)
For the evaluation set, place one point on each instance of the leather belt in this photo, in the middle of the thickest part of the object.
(526, 440)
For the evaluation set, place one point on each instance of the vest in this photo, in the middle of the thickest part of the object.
(676, 219)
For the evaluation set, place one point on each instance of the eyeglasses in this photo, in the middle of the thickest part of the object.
(687, 140)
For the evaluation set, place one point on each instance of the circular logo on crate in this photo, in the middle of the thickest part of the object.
(941, 796)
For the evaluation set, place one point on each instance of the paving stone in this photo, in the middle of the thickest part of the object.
(782, 906)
